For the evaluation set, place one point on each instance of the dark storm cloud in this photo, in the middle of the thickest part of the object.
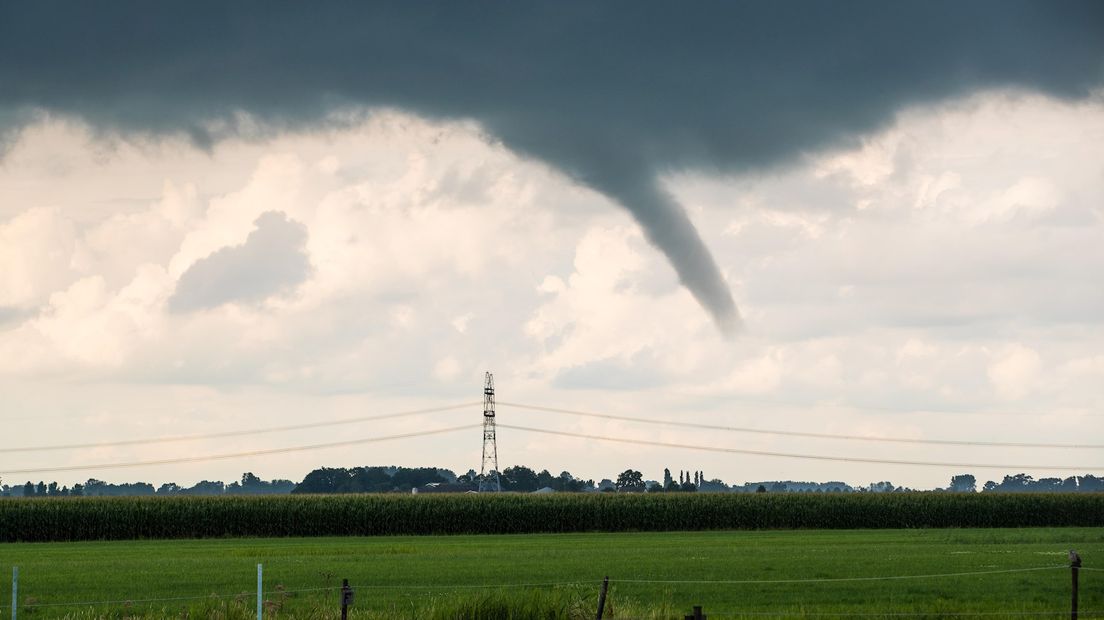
(270, 261)
(612, 93)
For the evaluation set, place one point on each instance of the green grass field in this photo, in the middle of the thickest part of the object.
(460, 576)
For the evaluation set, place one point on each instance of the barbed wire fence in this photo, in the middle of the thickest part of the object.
(346, 590)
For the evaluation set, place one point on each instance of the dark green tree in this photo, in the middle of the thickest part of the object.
(963, 483)
(630, 481)
(519, 478)
(545, 479)
(324, 480)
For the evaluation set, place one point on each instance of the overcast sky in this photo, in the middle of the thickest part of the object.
(884, 227)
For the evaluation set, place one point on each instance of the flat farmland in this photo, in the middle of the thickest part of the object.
(892, 573)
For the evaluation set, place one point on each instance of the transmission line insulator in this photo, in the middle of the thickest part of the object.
(488, 471)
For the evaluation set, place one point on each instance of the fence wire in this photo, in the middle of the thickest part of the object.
(614, 581)
(838, 579)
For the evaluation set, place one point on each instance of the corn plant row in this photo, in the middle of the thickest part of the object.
(125, 518)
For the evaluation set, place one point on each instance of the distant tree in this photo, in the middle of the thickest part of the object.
(630, 481)
(205, 487)
(406, 478)
(323, 480)
(1015, 484)
(654, 487)
(168, 488)
(761, 489)
(250, 481)
(989, 486)
(713, 485)
(279, 486)
(1091, 483)
(78, 490)
(568, 483)
(668, 482)
(29, 489)
(519, 478)
(40, 489)
(1047, 485)
(545, 479)
(368, 480)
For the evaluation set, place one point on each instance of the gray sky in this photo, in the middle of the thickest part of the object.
(211, 222)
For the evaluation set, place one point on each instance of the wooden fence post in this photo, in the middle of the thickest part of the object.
(697, 615)
(346, 598)
(1075, 565)
(602, 597)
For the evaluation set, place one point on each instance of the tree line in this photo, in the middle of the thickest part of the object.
(522, 479)
(248, 485)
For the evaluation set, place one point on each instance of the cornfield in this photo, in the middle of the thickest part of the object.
(125, 518)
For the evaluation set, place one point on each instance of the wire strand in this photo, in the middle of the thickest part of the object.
(904, 614)
(234, 455)
(461, 586)
(761, 431)
(791, 455)
(838, 579)
(239, 433)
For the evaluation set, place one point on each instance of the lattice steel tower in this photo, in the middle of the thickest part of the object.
(488, 473)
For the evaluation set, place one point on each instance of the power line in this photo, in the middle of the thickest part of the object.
(901, 410)
(761, 431)
(234, 455)
(238, 433)
(401, 414)
(814, 457)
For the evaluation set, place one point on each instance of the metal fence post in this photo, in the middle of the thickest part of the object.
(15, 590)
(260, 598)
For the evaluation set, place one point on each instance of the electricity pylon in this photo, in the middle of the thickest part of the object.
(488, 473)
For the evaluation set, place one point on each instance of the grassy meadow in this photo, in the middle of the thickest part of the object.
(478, 575)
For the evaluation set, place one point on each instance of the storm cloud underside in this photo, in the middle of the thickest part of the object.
(270, 261)
(614, 95)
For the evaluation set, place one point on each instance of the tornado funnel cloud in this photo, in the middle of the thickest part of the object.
(614, 95)
(667, 226)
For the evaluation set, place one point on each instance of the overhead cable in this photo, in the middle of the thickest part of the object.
(234, 455)
(762, 431)
(790, 455)
(239, 433)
